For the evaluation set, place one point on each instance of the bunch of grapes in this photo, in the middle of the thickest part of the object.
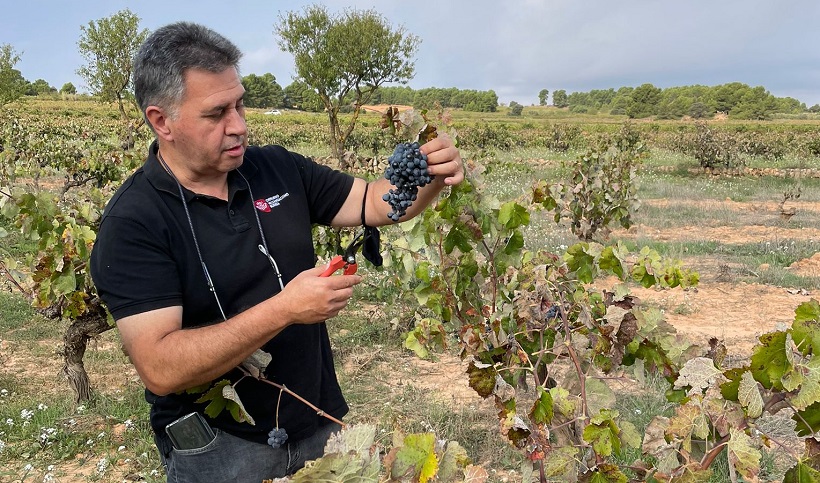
(407, 171)
(277, 437)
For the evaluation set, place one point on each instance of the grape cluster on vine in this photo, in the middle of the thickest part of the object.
(407, 171)
(277, 437)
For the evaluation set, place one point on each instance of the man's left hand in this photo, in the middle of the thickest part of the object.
(444, 160)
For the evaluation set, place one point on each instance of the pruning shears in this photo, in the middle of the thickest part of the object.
(346, 262)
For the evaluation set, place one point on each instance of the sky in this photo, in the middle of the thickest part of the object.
(514, 47)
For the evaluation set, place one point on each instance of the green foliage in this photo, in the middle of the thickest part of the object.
(68, 88)
(12, 83)
(601, 189)
(644, 101)
(262, 91)
(560, 98)
(109, 45)
(345, 56)
(515, 109)
(543, 94)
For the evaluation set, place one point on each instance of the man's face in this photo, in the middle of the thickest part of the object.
(209, 130)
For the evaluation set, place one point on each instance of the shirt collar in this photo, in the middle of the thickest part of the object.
(163, 181)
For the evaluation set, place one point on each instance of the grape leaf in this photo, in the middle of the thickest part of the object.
(604, 473)
(217, 400)
(729, 389)
(808, 420)
(806, 326)
(256, 363)
(358, 438)
(629, 434)
(566, 404)
(742, 455)
(655, 444)
(612, 259)
(602, 433)
(599, 395)
(542, 409)
(417, 457)
(475, 474)
(237, 409)
(512, 215)
(749, 395)
(339, 467)
(698, 373)
(801, 473)
(452, 459)
(769, 361)
(810, 388)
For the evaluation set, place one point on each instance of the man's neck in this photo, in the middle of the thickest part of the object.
(215, 185)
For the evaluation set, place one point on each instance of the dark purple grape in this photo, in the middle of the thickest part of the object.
(407, 171)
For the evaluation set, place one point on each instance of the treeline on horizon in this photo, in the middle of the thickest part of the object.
(735, 99)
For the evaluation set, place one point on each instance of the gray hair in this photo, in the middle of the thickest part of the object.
(166, 55)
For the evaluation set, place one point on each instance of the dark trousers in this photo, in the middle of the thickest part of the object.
(231, 459)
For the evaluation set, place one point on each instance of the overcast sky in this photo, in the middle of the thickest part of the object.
(515, 47)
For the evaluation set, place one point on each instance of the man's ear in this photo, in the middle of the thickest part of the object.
(159, 120)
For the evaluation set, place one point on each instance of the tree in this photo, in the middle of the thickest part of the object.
(515, 109)
(645, 100)
(560, 98)
(68, 88)
(12, 83)
(543, 94)
(109, 46)
(299, 95)
(815, 108)
(349, 54)
(38, 87)
(262, 91)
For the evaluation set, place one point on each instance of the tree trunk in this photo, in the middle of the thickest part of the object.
(75, 341)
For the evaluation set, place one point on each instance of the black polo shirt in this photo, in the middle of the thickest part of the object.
(144, 258)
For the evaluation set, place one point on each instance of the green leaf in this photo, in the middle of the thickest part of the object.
(416, 458)
(604, 473)
(542, 410)
(458, 237)
(581, 261)
(235, 405)
(66, 282)
(452, 461)
(602, 433)
(512, 215)
(801, 473)
(769, 360)
(806, 326)
(808, 420)
(413, 343)
(742, 455)
(729, 390)
(810, 388)
(612, 260)
(514, 244)
(216, 398)
(749, 395)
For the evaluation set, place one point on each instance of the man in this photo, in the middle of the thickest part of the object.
(192, 248)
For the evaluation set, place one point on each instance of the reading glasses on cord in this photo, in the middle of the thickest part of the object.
(263, 247)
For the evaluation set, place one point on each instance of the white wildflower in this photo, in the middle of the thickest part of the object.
(41, 407)
(10, 422)
(121, 448)
(102, 465)
(129, 424)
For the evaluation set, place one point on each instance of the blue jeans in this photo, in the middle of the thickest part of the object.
(231, 459)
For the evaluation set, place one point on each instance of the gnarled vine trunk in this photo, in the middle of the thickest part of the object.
(75, 341)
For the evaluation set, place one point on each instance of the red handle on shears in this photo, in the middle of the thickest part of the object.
(338, 262)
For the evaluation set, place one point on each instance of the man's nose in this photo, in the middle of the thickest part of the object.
(236, 125)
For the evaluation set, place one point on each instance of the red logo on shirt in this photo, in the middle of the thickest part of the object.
(262, 205)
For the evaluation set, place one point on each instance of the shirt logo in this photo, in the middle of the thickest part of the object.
(266, 204)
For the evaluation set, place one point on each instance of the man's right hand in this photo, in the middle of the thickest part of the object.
(309, 298)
